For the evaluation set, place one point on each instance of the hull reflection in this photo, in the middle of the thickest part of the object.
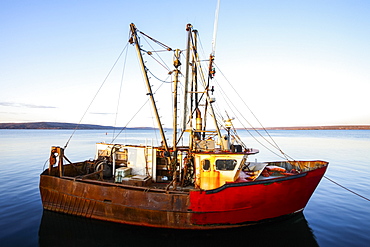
(65, 230)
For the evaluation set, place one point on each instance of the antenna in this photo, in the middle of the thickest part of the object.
(215, 28)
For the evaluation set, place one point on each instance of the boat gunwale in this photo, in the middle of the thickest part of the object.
(265, 181)
(131, 187)
(247, 183)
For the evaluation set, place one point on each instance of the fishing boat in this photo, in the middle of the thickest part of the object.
(207, 183)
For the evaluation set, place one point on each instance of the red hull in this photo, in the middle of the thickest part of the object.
(231, 205)
(237, 203)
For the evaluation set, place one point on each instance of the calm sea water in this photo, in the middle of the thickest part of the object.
(333, 216)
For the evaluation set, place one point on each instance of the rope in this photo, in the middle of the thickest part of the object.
(43, 168)
(347, 189)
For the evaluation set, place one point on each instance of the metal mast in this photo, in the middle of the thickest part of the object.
(150, 93)
(186, 91)
(194, 64)
(176, 64)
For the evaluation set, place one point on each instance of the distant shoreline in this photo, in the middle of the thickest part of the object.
(58, 125)
(333, 127)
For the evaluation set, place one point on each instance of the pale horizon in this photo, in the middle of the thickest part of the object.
(295, 63)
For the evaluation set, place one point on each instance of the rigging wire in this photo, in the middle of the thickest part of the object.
(203, 80)
(152, 117)
(156, 41)
(228, 101)
(347, 188)
(253, 136)
(119, 93)
(236, 136)
(163, 64)
(102, 84)
(156, 51)
(125, 127)
(96, 94)
(275, 144)
(164, 81)
(137, 112)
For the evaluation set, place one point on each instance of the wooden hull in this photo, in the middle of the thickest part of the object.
(232, 205)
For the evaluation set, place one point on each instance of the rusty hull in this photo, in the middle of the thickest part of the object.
(122, 204)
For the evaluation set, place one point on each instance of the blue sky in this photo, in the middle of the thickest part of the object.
(295, 63)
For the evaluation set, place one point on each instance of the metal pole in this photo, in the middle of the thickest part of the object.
(60, 163)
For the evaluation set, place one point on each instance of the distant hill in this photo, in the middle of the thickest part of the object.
(333, 127)
(51, 125)
(58, 125)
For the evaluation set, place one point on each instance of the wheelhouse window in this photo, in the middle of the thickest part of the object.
(206, 164)
(225, 165)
